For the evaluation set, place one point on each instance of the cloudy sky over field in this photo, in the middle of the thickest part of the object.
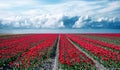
(60, 14)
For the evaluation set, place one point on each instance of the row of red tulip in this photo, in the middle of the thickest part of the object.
(18, 48)
(101, 53)
(25, 44)
(5, 37)
(70, 55)
(36, 53)
(10, 44)
(109, 45)
(112, 37)
(14, 41)
(11, 39)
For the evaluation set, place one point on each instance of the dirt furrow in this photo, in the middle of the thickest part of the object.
(56, 63)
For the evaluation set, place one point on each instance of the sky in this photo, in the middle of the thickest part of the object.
(59, 14)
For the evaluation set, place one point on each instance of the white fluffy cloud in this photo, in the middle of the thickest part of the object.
(112, 19)
(101, 22)
(57, 21)
(81, 21)
(43, 21)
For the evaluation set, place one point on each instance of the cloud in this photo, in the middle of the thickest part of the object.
(69, 21)
(59, 14)
(53, 22)
(69, 7)
(101, 22)
(81, 22)
(43, 21)
(4, 6)
(9, 4)
(60, 21)
(110, 7)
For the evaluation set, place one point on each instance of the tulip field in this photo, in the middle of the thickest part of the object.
(60, 52)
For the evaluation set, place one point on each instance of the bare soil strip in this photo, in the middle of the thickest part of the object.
(97, 64)
(56, 63)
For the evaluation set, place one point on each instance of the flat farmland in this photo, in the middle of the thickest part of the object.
(60, 52)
